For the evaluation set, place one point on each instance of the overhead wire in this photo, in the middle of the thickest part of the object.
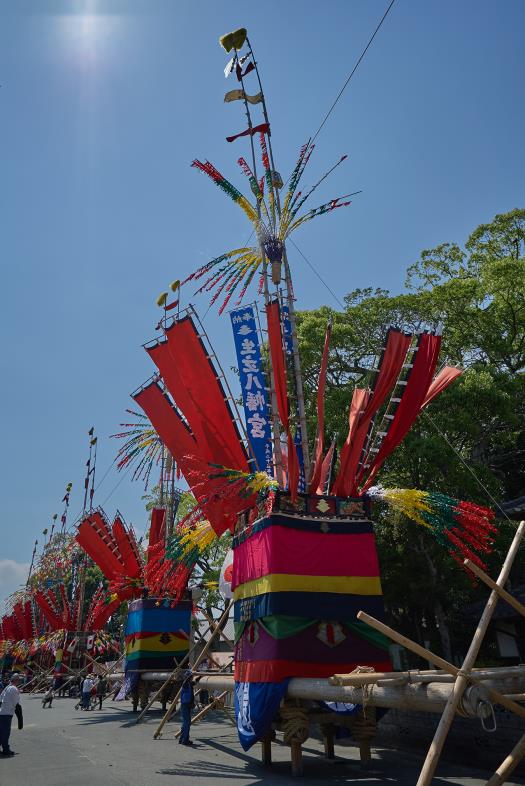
(321, 279)
(460, 457)
(115, 487)
(331, 109)
(354, 69)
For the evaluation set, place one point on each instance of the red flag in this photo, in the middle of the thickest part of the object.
(264, 128)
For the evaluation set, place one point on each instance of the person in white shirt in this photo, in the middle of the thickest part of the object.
(9, 699)
(86, 692)
(49, 695)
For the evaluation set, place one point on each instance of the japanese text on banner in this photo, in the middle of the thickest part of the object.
(253, 386)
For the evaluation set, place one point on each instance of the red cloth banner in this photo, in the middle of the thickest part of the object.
(97, 541)
(157, 529)
(132, 565)
(43, 602)
(325, 470)
(447, 375)
(275, 340)
(194, 386)
(103, 613)
(412, 400)
(391, 363)
(67, 616)
(321, 386)
(182, 445)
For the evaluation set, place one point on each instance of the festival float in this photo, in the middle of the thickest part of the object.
(311, 644)
(49, 629)
(307, 595)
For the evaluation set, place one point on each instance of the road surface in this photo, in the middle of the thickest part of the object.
(62, 746)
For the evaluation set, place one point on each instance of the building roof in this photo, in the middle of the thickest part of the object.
(514, 508)
(503, 610)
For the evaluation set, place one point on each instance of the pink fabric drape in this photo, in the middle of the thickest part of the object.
(397, 346)
(321, 387)
(412, 400)
(275, 340)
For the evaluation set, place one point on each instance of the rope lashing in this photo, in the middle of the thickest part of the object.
(363, 726)
(295, 723)
(366, 690)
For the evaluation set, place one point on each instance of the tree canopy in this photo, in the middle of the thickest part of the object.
(470, 443)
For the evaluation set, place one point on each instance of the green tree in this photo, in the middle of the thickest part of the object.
(476, 295)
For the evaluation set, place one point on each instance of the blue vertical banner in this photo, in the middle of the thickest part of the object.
(253, 385)
(288, 348)
(287, 330)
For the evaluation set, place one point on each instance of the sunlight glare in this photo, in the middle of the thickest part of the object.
(89, 34)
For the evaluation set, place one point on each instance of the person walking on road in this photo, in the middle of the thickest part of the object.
(101, 690)
(49, 695)
(87, 685)
(9, 706)
(187, 703)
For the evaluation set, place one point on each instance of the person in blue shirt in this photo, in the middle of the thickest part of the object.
(187, 703)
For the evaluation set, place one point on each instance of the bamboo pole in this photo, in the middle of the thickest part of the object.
(424, 676)
(496, 697)
(165, 684)
(442, 730)
(213, 625)
(502, 593)
(168, 680)
(205, 710)
(508, 766)
(299, 391)
(200, 658)
(41, 680)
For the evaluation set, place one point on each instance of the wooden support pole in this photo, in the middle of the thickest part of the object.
(494, 695)
(41, 681)
(426, 676)
(297, 759)
(162, 687)
(165, 684)
(266, 749)
(200, 658)
(365, 752)
(213, 703)
(449, 712)
(213, 625)
(503, 594)
(508, 766)
(328, 740)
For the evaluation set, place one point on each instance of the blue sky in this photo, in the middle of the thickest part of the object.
(105, 104)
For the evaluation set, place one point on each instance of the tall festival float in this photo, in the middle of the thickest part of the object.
(50, 630)
(158, 622)
(299, 510)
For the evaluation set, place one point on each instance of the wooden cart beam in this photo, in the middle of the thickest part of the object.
(436, 746)
(503, 594)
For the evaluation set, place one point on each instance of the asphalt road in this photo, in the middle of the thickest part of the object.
(61, 746)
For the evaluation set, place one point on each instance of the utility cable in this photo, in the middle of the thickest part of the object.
(321, 279)
(460, 457)
(354, 69)
(116, 486)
